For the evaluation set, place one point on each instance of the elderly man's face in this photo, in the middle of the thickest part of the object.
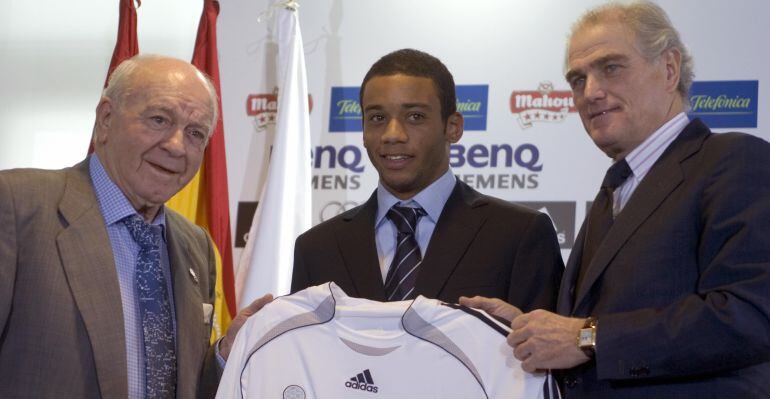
(151, 140)
(622, 98)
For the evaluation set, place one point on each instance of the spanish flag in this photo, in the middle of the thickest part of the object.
(205, 199)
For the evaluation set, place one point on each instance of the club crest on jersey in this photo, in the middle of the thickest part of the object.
(362, 381)
(294, 392)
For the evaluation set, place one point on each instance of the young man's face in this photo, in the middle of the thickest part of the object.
(405, 137)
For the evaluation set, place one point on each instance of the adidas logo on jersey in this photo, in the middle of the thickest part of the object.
(362, 381)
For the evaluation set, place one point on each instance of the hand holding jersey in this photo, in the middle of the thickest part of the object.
(320, 343)
(541, 340)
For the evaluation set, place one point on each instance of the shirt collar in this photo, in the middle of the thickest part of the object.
(432, 198)
(641, 159)
(112, 202)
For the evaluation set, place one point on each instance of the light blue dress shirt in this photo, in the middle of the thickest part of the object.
(432, 199)
(114, 207)
(641, 159)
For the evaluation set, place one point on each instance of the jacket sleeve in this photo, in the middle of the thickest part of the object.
(538, 267)
(8, 250)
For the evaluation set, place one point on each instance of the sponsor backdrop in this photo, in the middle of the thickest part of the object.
(523, 139)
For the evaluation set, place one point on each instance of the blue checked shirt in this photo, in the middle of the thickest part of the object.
(114, 207)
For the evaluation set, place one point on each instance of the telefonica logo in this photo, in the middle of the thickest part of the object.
(542, 105)
(472, 104)
(726, 103)
(345, 110)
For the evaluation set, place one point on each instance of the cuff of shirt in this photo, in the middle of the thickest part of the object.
(220, 360)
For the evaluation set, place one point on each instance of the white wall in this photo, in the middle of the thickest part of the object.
(55, 56)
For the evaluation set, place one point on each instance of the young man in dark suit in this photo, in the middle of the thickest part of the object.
(422, 232)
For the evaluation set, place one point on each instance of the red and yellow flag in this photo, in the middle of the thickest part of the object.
(205, 200)
(127, 43)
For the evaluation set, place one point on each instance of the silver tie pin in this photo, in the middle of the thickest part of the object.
(194, 276)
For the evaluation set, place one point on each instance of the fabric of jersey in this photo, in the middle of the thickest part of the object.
(320, 343)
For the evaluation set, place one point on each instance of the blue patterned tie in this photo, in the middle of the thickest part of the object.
(399, 283)
(155, 308)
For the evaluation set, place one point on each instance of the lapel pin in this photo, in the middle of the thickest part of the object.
(194, 276)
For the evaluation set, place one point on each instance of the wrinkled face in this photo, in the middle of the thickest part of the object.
(151, 140)
(621, 97)
(404, 135)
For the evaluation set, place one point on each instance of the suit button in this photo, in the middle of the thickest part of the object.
(642, 371)
(570, 381)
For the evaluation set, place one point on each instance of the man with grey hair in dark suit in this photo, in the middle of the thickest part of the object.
(665, 294)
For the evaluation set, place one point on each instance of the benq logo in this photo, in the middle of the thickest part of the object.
(725, 104)
(525, 155)
(542, 105)
(472, 104)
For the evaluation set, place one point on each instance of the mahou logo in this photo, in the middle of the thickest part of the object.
(263, 108)
(542, 105)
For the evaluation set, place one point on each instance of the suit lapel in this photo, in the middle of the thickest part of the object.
(456, 228)
(188, 302)
(357, 245)
(656, 186)
(89, 264)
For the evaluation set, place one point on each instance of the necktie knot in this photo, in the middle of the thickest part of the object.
(145, 234)
(405, 218)
(616, 174)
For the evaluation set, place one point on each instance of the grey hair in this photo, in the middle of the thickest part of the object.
(653, 30)
(118, 84)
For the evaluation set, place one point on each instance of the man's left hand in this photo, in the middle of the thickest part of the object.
(227, 342)
(544, 340)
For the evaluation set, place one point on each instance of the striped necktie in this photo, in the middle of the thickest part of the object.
(399, 283)
(155, 310)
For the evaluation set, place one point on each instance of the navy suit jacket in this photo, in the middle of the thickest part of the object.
(681, 283)
(481, 246)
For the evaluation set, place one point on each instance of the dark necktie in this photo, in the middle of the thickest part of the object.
(399, 283)
(600, 217)
(155, 309)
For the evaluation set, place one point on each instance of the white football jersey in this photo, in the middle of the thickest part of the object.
(320, 343)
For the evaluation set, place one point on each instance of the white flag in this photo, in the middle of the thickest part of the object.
(284, 208)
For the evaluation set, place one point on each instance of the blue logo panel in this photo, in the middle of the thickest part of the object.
(345, 112)
(472, 104)
(725, 104)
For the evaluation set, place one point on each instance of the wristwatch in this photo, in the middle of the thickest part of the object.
(586, 339)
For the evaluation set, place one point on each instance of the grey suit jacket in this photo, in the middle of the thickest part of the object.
(480, 246)
(681, 283)
(60, 307)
